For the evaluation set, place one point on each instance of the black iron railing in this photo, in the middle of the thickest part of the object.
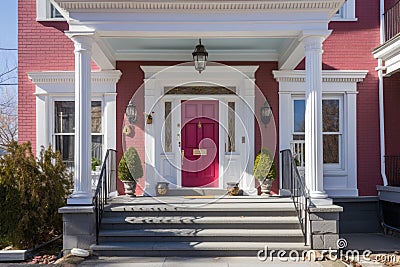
(105, 185)
(295, 184)
(392, 21)
(392, 164)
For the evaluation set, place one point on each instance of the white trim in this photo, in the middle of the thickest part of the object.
(43, 11)
(340, 182)
(147, 6)
(68, 77)
(336, 76)
(347, 12)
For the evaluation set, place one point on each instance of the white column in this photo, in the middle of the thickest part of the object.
(313, 124)
(83, 143)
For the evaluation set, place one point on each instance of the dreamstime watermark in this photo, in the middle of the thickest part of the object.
(267, 254)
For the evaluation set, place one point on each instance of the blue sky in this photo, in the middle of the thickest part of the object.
(8, 33)
(8, 23)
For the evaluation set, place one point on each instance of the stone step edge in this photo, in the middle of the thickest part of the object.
(209, 246)
(203, 233)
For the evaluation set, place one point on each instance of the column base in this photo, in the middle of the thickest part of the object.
(80, 198)
(322, 201)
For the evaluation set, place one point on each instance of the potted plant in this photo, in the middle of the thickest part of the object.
(264, 170)
(95, 164)
(130, 170)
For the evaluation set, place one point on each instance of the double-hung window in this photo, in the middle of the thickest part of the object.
(64, 130)
(332, 130)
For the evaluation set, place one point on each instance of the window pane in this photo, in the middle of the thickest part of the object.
(97, 147)
(331, 148)
(54, 12)
(96, 116)
(299, 115)
(65, 117)
(330, 115)
(65, 144)
(168, 127)
(231, 127)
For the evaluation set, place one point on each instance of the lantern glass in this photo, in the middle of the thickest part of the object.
(266, 113)
(131, 112)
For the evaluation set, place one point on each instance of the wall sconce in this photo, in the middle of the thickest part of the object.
(266, 113)
(200, 56)
(131, 112)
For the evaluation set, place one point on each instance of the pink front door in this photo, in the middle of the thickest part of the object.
(200, 143)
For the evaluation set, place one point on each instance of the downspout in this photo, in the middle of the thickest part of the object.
(381, 99)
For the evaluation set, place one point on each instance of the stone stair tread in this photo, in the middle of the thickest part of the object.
(126, 200)
(202, 232)
(223, 207)
(208, 246)
(200, 219)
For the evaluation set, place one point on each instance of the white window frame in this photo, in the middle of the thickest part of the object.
(337, 182)
(342, 130)
(43, 11)
(347, 12)
(52, 120)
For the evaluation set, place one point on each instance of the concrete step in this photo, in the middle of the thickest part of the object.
(192, 248)
(214, 209)
(202, 235)
(215, 222)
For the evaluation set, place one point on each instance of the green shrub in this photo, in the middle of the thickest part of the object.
(264, 166)
(31, 191)
(130, 166)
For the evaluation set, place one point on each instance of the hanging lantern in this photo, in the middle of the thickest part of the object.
(266, 113)
(131, 112)
(200, 56)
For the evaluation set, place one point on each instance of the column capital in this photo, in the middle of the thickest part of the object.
(83, 41)
(306, 36)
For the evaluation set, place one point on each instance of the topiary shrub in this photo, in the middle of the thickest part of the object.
(130, 166)
(264, 166)
(31, 192)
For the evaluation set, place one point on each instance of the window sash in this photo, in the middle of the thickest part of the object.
(299, 135)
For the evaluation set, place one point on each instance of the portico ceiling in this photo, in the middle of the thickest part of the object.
(220, 49)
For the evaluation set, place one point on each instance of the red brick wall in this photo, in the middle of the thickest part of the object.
(392, 111)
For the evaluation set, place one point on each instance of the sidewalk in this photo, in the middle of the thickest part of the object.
(189, 262)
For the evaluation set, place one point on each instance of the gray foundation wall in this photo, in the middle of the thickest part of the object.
(360, 215)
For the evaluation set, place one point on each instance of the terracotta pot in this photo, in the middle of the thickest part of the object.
(162, 188)
(266, 186)
(130, 188)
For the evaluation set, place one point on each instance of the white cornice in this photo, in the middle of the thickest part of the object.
(337, 76)
(65, 77)
(232, 5)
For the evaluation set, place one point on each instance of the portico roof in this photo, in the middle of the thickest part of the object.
(168, 30)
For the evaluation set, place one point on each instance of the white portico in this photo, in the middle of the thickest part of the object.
(280, 31)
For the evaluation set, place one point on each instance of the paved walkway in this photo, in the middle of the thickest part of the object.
(188, 262)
